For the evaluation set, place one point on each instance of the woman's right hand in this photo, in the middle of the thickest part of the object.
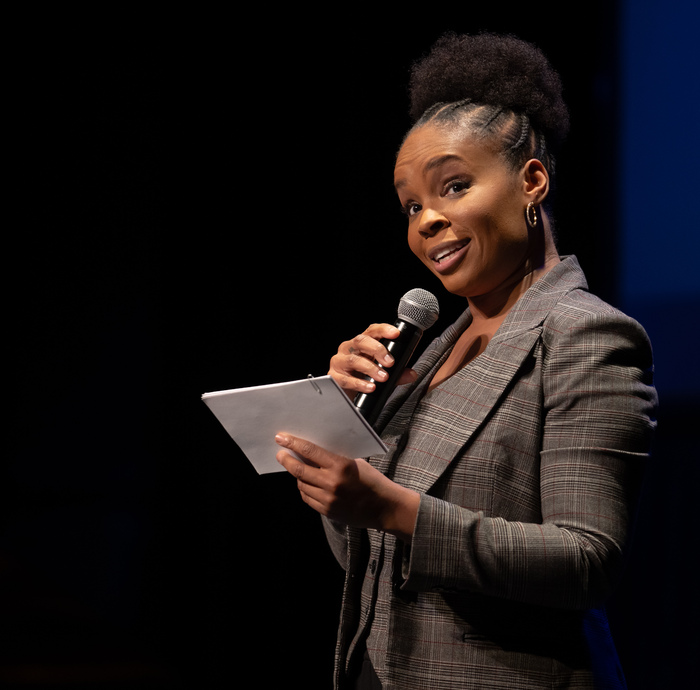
(365, 355)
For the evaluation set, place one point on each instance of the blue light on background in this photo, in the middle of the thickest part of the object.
(660, 186)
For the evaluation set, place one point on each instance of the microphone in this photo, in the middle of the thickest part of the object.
(418, 310)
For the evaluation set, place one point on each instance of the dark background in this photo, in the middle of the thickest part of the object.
(202, 203)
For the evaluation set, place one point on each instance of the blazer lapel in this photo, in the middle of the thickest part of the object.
(449, 416)
(396, 416)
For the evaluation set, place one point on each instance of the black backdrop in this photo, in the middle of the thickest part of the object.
(207, 204)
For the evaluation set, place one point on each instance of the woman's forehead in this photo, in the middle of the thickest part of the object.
(429, 147)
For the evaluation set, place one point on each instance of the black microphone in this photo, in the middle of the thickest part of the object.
(418, 310)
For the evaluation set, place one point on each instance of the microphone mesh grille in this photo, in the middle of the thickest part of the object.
(419, 307)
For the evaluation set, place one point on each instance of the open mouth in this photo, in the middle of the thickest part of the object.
(442, 255)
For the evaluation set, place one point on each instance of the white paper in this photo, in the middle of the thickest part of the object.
(315, 409)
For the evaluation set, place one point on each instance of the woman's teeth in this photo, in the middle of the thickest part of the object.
(445, 253)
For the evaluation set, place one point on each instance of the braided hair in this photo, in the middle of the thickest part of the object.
(502, 87)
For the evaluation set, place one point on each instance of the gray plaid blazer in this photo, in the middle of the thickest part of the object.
(528, 461)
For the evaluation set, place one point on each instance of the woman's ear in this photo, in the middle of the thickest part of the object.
(535, 181)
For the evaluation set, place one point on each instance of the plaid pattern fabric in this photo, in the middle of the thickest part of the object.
(528, 461)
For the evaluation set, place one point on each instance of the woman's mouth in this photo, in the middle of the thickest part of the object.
(447, 255)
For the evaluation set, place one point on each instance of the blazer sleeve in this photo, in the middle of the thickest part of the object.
(336, 534)
(599, 407)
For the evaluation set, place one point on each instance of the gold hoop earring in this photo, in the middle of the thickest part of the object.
(531, 215)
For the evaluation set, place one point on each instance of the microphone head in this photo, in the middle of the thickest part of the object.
(419, 307)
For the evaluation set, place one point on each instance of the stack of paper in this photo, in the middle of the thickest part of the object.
(315, 409)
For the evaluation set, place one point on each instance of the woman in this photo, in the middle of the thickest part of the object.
(480, 550)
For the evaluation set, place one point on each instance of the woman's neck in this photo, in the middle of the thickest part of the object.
(494, 307)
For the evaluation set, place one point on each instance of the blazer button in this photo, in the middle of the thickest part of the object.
(373, 566)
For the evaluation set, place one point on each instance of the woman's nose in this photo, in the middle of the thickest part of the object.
(432, 222)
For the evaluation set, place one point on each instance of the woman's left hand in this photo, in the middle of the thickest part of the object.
(349, 491)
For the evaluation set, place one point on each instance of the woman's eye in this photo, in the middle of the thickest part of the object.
(411, 208)
(456, 186)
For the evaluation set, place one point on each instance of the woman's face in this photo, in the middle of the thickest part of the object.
(466, 211)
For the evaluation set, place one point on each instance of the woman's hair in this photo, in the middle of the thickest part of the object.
(502, 87)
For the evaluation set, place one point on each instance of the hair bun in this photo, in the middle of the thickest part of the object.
(491, 69)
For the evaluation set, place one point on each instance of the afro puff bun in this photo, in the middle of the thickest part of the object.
(496, 70)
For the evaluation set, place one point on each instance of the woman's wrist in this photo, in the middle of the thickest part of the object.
(399, 518)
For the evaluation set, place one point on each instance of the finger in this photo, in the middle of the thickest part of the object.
(313, 497)
(369, 345)
(364, 357)
(310, 493)
(382, 330)
(298, 469)
(347, 369)
(317, 456)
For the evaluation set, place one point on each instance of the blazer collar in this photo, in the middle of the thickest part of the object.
(533, 307)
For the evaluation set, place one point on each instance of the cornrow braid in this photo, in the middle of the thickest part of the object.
(496, 113)
(524, 132)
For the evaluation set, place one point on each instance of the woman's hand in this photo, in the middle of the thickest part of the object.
(349, 491)
(365, 355)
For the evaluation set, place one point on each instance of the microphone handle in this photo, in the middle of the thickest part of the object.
(401, 349)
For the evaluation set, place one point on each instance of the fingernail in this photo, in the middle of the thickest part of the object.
(282, 440)
(388, 359)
